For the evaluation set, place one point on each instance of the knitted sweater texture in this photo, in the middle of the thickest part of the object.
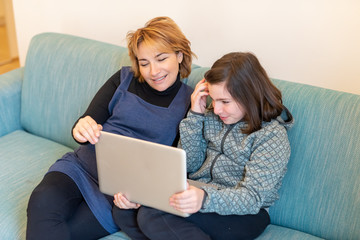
(245, 170)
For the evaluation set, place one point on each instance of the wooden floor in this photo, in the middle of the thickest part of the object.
(6, 63)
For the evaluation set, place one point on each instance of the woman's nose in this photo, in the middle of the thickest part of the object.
(154, 70)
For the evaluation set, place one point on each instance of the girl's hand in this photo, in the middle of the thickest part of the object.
(122, 202)
(87, 130)
(198, 97)
(188, 201)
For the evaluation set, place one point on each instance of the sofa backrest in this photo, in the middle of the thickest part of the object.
(62, 74)
(321, 190)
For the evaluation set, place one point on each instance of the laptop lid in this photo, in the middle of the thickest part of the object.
(147, 173)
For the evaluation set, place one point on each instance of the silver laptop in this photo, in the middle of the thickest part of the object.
(147, 173)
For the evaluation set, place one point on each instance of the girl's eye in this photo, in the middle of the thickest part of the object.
(143, 64)
(225, 102)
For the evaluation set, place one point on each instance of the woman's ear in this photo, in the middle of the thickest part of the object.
(179, 56)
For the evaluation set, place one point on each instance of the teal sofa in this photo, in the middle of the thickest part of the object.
(320, 196)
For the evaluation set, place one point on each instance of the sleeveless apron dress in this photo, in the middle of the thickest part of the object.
(130, 116)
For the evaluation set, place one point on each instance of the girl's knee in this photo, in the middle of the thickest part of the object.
(147, 217)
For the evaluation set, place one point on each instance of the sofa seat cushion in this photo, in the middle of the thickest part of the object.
(116, 236)
(277, 232)
(31, 156)
(271, 232)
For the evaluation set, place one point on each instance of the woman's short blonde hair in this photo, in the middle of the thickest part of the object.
(163, 34)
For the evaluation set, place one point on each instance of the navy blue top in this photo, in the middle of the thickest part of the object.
(131, 116)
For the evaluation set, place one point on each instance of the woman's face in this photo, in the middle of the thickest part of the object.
(224, 105)
(158, 68)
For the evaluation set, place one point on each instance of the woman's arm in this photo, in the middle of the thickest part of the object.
(87, 126)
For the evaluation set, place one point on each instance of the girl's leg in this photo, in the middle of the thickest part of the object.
(231, 226)
(57, 210)
(156, 224)
(160, 225)
(126, 220)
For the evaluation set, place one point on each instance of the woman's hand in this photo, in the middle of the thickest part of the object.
(198, 97)
(188, 201)
(122, 202)
(87, 130)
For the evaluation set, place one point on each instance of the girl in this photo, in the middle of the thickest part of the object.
(239, 146)
(145, 101)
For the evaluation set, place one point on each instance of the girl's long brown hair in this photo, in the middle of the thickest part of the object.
(248, 83)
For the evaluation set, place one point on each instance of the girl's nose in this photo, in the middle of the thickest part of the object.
(217, 108)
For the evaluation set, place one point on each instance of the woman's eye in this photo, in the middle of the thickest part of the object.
(162, 59)
(143, 64)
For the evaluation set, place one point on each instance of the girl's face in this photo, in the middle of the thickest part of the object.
(224, 105)
(158, 68)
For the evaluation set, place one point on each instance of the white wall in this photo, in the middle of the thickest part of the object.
(310, 41)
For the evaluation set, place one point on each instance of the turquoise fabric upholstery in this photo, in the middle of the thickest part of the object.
(322, 186)
(24, 160)
(274, 232)
(320, 196)
(10, 94)
(50, 101)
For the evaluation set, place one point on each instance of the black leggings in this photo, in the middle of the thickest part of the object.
(57, 210)
(148, 223)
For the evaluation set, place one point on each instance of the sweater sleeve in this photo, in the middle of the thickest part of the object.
(192, 140)
(98, 108)
(263, 174)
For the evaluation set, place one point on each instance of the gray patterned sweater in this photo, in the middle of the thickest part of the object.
(246, 170)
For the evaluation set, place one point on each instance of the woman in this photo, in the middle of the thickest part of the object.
(145, 101)
(239, 146)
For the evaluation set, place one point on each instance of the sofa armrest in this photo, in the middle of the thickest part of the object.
(10, 100)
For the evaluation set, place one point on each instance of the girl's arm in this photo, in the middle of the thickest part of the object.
(192, 140)
(191, 128)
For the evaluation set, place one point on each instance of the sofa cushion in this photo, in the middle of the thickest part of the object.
(27, 158)
(273, 232)
(10, 93)
(320, 192)
(62, 74)
(197, 73)
(116, 236)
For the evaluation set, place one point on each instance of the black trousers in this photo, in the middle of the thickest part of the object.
(149, 223)
(57, 210)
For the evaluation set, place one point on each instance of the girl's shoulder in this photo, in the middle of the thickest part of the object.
(284, 120)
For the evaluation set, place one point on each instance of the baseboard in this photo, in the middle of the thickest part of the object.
(7, 61)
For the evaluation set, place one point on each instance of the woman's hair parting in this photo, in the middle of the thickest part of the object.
(248, 83)
(163, 34)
